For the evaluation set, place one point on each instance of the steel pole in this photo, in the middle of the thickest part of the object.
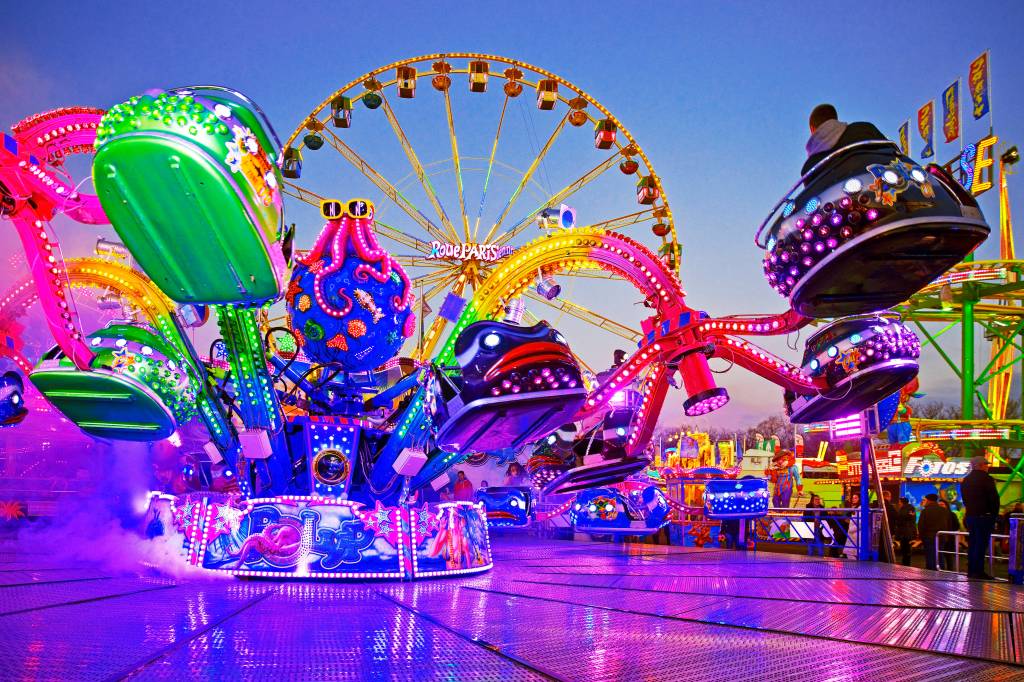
(864, 534)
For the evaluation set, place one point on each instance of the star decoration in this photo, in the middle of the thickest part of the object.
(293, 290)
(184, 515)
(123, 360)
(849, 359)
(379, 520)
(426, 521)
(226, 519)
(881, 193)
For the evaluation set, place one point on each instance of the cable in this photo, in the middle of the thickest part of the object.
(266, 343)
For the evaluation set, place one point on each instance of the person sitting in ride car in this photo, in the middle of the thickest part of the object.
(828, 133)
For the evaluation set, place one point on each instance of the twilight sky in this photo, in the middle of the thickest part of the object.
(716, 93)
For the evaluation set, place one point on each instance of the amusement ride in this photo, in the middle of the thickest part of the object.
(336, 400)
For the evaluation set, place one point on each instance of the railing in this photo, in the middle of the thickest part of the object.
(991, 556)
(835, 529)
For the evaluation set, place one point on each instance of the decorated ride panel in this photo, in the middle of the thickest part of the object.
(517, 385)
(870, 228)
(450, 539)
(290, 537)
(609, 511)
(189, 178)
(506, 506)
(863, 360)
(349, 300)
(745, 498)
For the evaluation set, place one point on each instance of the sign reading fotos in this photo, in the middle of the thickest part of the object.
(919, 467)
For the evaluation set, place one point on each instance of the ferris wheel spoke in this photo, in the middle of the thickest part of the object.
(490, 167)
(410, 261)
(457, 162)
(403, 238)
(560, 196)
(431, 278)
(421, 173)
(389, 190)
(526, 177)
(566, 306)
(301, 193)
(625, 220)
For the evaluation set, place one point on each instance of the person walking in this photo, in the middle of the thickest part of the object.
(981, 505)
(905, 529)
(933, 519)
(947, 544)
(813, 517)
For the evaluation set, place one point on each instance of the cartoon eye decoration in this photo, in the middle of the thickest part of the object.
(492, 340)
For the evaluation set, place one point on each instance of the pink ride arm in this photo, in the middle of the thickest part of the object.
(37, 193)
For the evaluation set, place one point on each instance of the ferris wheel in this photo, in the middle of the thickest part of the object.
(469, 156)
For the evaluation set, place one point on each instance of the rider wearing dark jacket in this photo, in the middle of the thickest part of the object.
(828, 133)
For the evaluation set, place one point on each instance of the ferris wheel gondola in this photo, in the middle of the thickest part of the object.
(435, 210)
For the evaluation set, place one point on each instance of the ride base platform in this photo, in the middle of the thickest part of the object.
(548, 610)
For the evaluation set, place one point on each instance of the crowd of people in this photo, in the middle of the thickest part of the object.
(931, 527)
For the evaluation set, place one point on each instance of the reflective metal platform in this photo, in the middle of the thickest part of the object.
(549, 610)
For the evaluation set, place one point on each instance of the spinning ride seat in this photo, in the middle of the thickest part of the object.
(864, 359)
(137, 388)
(12, 399)
(506, 506)
(189, 178)
(608, 511)
(517, 385)
(865, 229)
(600, 458)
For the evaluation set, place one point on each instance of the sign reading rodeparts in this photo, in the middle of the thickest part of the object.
(484, 252)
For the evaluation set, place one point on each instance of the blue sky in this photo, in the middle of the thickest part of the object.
(716, 93)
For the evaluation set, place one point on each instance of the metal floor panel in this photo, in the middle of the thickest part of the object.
(549, 609)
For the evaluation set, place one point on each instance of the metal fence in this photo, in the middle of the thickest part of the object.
(995, 555)
(834, 531)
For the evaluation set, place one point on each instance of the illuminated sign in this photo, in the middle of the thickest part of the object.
(975, 165)
(976, 275)
(846, 428)
(919, 467)
(484, 252)
(964, 434)
(888, 462)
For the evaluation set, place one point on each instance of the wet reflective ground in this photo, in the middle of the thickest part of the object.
(549, 610)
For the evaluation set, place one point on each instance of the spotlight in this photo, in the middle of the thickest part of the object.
(1010, 156)
(705, 402)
